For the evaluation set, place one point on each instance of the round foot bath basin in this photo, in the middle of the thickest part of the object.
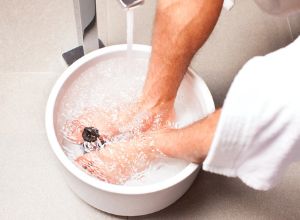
(194, 102)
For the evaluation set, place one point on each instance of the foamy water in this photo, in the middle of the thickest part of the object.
(106, 85)
(113, 82)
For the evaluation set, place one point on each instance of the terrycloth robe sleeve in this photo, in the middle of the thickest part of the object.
(258, 134)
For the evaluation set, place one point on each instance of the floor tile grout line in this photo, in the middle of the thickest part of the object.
(18, 133)
(27, 72)
(290, 28)
(107, 23)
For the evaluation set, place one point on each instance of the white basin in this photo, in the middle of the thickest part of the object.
(119, 199)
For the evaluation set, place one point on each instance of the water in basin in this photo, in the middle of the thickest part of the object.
(117, 80)
(109, 83)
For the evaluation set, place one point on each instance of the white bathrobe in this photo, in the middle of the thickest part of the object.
(258, 135)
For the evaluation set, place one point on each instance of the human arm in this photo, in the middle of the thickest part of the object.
(190, 143)
(180, 29)
(120, 160)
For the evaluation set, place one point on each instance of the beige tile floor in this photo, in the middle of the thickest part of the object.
(33, 34)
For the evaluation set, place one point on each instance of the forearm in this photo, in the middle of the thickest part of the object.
(180, 29)
(191, 143)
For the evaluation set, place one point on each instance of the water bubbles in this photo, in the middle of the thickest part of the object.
(108, 92)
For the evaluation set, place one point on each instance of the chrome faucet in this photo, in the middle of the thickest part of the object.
(131, 3)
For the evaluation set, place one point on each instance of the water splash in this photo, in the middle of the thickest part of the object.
(107, 86)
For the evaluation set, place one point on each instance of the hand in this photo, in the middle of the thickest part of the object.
(118, 161)
(134, 118)
(92, 117)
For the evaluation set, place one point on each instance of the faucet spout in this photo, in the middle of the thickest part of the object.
(131, 3)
